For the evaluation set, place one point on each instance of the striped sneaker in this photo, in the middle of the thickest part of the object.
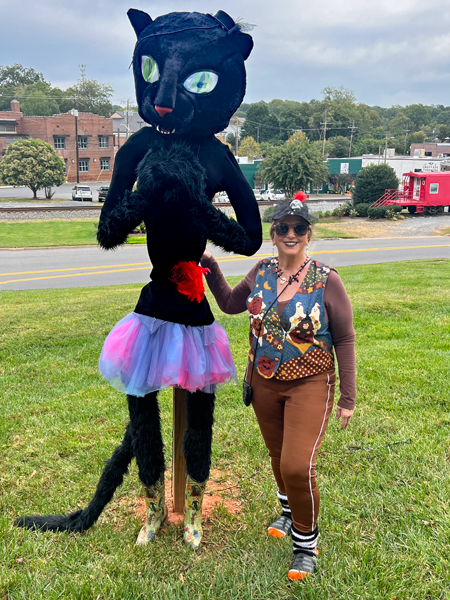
(304, 565)
(281, 527)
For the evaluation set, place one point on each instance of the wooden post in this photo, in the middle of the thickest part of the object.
(178, 462)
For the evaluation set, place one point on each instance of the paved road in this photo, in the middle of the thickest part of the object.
(63, 191)
(90, 266)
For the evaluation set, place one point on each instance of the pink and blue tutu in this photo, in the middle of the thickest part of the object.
(143, 354)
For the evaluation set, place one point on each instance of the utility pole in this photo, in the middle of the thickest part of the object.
(128, 109)
(324, 132)
(74, 111)
(352, 127)
(385, 148)
(235, 122)
(406, 130)
(257, 134)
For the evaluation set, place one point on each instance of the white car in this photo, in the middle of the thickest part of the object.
(81, 192)
(273, 195)
(221, 197)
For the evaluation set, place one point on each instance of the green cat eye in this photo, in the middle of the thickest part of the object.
(202, 82)
(150, 71)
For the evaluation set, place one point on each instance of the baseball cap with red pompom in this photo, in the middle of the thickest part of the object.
(292, 207)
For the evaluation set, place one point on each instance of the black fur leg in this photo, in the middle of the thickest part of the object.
(198, 437)
(80, 520)
(147, 440)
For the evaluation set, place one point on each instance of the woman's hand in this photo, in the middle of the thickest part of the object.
(206, 254)
(345, 415)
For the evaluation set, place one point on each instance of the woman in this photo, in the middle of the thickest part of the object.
(299, 311)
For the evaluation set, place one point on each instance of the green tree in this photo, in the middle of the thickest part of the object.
(33, 163)
(92, 96)
(231, 139)
(249, 147)
(338, 147)
(37, 100)
(16, 74)
(415, 138)
(400, 124)
(372, 181)
(444, 132)
(260, 124)
(294, 118)
(294, 166)
(418, 114)
(338, 95)
(13, 82)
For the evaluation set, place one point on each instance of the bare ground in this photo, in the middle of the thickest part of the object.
(411, 226)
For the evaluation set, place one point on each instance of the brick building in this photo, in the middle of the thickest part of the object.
(430, 150)
(95, 140)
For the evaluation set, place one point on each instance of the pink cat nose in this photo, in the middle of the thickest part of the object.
(161, 110)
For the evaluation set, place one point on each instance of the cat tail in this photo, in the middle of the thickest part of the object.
(110, 479)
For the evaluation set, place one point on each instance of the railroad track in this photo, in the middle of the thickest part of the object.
(26, 209)
(47, 209)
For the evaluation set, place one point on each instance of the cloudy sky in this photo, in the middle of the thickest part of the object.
(387, 51)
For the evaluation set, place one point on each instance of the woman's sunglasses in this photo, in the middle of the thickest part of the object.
(283, 228)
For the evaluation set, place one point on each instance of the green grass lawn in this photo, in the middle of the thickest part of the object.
(320, 231)
(27, 234)
(384, 481)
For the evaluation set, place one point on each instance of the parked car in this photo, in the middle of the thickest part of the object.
(102, 192)
(82, 192)
(273, 195)
(221, 197)
(257, 194)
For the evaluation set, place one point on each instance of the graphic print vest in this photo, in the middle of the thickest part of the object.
(298, 343)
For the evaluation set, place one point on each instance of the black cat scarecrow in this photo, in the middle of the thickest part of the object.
(190, 78)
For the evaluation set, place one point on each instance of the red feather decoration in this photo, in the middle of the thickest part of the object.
(188, 277)
(300, 196)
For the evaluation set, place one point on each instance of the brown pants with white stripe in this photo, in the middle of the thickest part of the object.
(293, 417)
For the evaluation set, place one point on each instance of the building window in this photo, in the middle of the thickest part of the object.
(434, 188)
(7, 128)
(65, 166)
(82, 142)
(103, 141)
(428, 154)
(59, 143)
(83, 165)
(104, 164)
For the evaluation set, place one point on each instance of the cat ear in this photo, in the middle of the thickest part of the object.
(243, 41)
(224, 18)
(139, 20)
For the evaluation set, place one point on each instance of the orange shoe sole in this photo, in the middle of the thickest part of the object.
(298, 575)
(276, 533)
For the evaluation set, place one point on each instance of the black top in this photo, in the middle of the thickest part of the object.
(170, 237)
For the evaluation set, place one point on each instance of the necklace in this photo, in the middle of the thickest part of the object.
(291, 278)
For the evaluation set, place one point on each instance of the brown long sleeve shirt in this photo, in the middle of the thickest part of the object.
(338, 312)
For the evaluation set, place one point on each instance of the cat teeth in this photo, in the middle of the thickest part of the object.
(164, 131)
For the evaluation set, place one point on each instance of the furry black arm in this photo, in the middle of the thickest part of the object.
(115, 225)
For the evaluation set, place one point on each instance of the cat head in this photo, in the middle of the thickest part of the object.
(189, 71)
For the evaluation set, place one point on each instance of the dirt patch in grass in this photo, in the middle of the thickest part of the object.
(363, 228)
(217, 494)
(444, 231)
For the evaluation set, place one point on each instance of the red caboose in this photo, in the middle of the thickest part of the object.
(427, 192)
